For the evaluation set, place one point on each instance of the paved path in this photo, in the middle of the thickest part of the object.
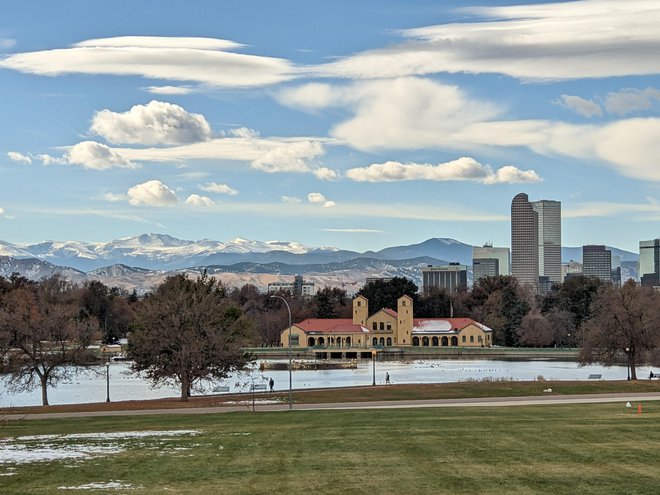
(400, 404)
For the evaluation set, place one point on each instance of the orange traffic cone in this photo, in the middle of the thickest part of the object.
(639, 409)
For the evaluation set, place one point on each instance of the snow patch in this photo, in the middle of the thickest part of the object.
(108, 485)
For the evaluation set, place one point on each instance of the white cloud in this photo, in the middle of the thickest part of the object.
(631, 100)
(203, 60)
(152, 124)
(169, 90)
(7, 43)
(19, 157)
(218, 188)
(47, 159)
(405, 113)
(609, 208)
(291, 200)
(242, 132)
(151, 193)
(114, 198)
(562, 40)
(197, 200)
(581, 106)
(462, 169)
(96, 156)
(325, 173)
(319, 198)
(289, 157)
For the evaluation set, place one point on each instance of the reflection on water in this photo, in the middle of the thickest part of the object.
(124, 385)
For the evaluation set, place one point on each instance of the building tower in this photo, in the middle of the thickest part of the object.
(549, 225)
(489, 261)
(649, 262)
(597, 262)
(524, 241)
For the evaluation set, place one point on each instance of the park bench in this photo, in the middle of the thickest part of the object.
(595, 376)
(220, 389)
(258, 387)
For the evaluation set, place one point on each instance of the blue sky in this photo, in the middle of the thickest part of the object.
(359, 125)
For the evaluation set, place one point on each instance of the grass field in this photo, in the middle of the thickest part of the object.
(578, 449)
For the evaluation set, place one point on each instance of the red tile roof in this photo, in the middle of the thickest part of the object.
(334, 325)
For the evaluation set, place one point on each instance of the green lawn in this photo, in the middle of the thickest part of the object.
(583, 449)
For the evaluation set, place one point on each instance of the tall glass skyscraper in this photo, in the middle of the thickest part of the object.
(549, 225)
(524, 241)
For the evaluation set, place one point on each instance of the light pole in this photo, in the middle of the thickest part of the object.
(373, 360)
(107, 381)
(628, 362)
(290, 366)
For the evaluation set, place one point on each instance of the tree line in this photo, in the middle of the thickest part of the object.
(190, 330)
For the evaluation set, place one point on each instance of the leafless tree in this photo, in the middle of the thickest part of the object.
(46, 335)
(188, 331)
(625, 323)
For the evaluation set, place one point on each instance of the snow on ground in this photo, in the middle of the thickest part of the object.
(75, 446)
(108, 485)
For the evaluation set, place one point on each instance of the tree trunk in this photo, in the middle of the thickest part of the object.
(44, 390)
(185, 387)
(633, 370)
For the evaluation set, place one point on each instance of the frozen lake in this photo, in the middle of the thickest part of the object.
(124, 385)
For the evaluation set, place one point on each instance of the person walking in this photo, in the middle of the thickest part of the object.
(387, 378)
(271, 383)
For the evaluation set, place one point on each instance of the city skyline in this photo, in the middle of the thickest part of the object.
(328, 123)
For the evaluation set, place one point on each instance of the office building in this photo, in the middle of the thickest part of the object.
(524, 242)
(297, 288)
(549, 233)
(597, 262)
(489, 261)
(452, 277)
(649, 262)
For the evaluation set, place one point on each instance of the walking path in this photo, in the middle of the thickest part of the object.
(400, 404)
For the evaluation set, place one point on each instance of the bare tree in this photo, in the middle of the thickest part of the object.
(188, 331)
(535, 330)
(625, 322)
(47, 337)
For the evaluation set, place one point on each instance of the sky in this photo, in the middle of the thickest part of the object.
(357, 125)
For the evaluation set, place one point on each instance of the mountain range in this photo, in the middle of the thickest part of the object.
(141, 262)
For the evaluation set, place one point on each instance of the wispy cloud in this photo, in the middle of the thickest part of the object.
(219, 188)
(15, 156)
(202, 60)
(169, 90)
(581, 106)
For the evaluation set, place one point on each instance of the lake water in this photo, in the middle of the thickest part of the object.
(124, 385)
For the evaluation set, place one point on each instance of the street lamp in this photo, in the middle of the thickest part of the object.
(373, 360)
(290, 367)
(628, 362)
(107, 381)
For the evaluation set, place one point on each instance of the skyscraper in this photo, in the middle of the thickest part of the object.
(524, 241)
(649, 262)
(549, 225)
(597, 262)
(489, 261)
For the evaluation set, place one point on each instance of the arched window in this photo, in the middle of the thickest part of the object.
(434, 341)
(321, 341)
(382, 341)
(311, 342)
(389, 341)
(416, 341)
(348, 341)
(375, 341)
(444, 341)
(425, 341)
(454, 340)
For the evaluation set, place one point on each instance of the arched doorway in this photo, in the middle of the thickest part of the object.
(348, 341)
(382, 341)
(444, 341)
(321, 341)
(434, 341)
(454, 340)
(389, 341)
(311, 342)
(425, 341)
(416, 341)
(374, 341)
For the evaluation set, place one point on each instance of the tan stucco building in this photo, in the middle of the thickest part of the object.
(387, 328)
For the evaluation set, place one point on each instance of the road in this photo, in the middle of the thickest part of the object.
(402, 404)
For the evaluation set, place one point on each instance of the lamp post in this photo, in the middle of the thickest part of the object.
(628, 362)
(290, 366)
(107, 381)
(373, 360)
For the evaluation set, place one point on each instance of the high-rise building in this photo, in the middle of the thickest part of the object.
(649, 262)
(489, 261)
(524, 241)
(597, 262)
(451, 277)
(549, 225)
